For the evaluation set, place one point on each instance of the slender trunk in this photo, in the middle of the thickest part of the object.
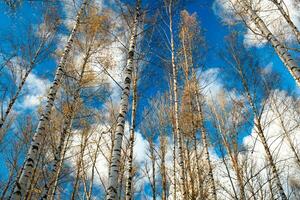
(20, 87)
(52, 192)
(281, 51)
(163, 167)
(287, 19)
(286, 133)
(176, 111)
(131, 140)
(153, 159)
(90, 191)
(66, 127)
(116, 156)
(80, 164)
(75, 185)
(272, 164)
(189, 161)
(205, 143)
(174, 144)
(199, 172)
(34, 150)
(262, 137)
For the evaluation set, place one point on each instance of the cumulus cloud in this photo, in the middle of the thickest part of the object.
(35, 90)
(268, 13)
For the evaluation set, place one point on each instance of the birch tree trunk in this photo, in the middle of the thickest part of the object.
(116, 154)
(262, 137)
(34, 149)
(287, 19)
(163, 150)
(205, 145)
(66, 127)
(20, 86)
(176, 111)
(128, 191)
(281, 51)
(174, 145)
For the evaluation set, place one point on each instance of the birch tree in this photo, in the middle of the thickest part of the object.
(128, 191)
(190, 35)
(94, 39)
(33, 152)
(177, 132)
(246, 11)
(116, 154)
(237, 60)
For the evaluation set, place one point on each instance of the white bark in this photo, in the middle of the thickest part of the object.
(34, 149)
(281, 51)
(116, 154)
(176, 111)
(128, 191)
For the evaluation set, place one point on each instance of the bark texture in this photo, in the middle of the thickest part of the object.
(131, 140)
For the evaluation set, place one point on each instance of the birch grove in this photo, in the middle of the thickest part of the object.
(168, 99)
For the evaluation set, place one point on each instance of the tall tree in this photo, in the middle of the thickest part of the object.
(116, 154)
(33, 52)
(177, 132)
(190, 36)
(34, 150)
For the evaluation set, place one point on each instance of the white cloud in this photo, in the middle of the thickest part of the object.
(35, 90)
(210, 81)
